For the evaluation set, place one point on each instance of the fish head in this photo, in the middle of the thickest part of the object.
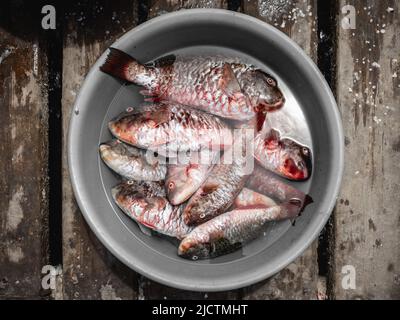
(296, 161)
(135, 201)
(123, 127)
(112, 150)
(179, 186)
(193, 248)
(264, 93)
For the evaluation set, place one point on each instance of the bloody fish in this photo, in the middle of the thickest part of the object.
(131, 162)
(170, 128)
(183, 179)
(230, 230)
(219, 86)
(283, 156)
(218, 191)
(265, 182)
(250, 199)
(149, 207)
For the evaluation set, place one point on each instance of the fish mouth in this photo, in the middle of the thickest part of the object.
(112, 127)
(266, 106)
(114, 192)
(275, 105)
(178, 198)
(293, 171)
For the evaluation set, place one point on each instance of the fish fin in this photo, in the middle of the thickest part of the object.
(153, 99)
(162, 62)
(191, 167)
(145, 230)
(273, 134)
(119, 63)
(158, 118)
(260, 120)
(208, 188)
(148, 93)
(228, 83)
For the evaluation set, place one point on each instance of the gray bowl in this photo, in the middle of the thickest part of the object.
(207, 31)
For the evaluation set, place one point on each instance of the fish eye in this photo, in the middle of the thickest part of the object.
(129, 109)
(130, 182)
(171, 185)
(195, 258)
(202, 215)
(295, 201)
(271, 81)
(305, 151)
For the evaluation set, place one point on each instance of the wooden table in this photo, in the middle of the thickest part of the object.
(41, 72)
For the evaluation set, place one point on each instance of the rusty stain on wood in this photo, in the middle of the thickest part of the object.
(90, 270)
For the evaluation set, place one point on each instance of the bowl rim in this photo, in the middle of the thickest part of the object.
(329, 100)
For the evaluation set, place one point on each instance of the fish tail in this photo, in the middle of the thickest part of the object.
(121, 65)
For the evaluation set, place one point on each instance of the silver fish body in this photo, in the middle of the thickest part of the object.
(170, 128)
(185, 177)
(266, 183)
(149, 207)
(221, 86)
(131, 162)
(225, 181)
(229, 231)
(249, 199)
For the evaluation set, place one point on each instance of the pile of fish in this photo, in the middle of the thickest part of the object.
(186, 157)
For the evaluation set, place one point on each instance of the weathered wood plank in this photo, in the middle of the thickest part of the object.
(367, 218)
(297, 19)
(23, 153)
(159, 7)
(89, 270)
(150, 289)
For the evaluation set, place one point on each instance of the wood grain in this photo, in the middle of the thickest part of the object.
(159, 7)
(89, 270)
(367, 217)
(298, 20)
(23, 155)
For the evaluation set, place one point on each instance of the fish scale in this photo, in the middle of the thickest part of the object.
(147, 205)
(229, 231)
(171, 126)
(221, 187)
(218, 85)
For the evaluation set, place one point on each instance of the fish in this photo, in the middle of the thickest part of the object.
(217, 193)
(184, 178)
(170, 128)
(132, 163)
(250, 199)
(148, 206)
(230, 231)
(223, 87)
(267, 183)
(283, 156)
